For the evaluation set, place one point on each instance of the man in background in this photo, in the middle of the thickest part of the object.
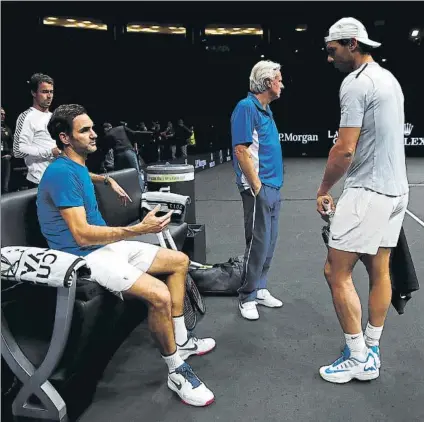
(122, 139)
(32, 141)
(258, 164)
(182, 136)
(6, 153)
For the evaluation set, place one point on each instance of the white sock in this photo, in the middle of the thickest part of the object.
(173, 361)
(372, 335)
(180, 330)
(357, 346)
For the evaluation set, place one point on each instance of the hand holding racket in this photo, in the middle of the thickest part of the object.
(325, 206)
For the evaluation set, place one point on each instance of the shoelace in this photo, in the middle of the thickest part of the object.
(344, 357)
(190, 336)
(186, 371)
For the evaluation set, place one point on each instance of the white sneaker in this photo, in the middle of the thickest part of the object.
(195, 346)
(191, 390)
(376, 351)
(265, 298)
(248, 310)
(347, 368)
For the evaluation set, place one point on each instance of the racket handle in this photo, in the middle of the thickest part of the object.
(326, 205)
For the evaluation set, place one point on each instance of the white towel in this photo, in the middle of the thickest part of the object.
(168, 201)
(41, 266)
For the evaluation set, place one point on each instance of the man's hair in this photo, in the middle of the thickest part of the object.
(362, 48)
(37, 79)
(62, 121)
(262, 74)
(107, 125)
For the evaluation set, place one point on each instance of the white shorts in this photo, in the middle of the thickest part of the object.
(366, 220)
(118, 265)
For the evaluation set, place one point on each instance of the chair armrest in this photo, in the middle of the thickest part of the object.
(35, 380)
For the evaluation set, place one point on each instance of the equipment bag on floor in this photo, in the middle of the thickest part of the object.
(222, 279)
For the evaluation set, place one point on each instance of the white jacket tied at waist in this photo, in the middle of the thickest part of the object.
(41, 266)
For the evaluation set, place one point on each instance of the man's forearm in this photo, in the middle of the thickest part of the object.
(337, 165)
(102, 235)
(97, 178)
(26, 150)
(248, 168)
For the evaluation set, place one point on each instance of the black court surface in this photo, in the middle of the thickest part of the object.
(267, 370)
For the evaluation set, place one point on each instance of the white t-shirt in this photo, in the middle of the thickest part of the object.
(33, 142)
(372, 99)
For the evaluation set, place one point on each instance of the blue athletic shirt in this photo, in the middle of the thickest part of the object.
(66, 183)
(252, 124)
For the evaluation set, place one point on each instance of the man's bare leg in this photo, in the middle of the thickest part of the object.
(158, 299)
(338, 272)
(378, 268)
(181, 378)
(175, 265)
(356, 361)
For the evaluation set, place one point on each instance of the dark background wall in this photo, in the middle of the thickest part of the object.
(144, 77)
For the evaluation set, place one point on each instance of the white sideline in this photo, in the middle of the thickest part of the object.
(420, 222)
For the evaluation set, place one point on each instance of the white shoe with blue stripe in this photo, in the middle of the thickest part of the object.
(347, 368)
(376, 352)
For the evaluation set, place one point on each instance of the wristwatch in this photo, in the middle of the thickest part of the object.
(106, 181)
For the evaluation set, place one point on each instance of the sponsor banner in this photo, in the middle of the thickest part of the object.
(169, 178)
(228, 156)
(209, 160)
(296, 144)
(409, 141)
(301, 138)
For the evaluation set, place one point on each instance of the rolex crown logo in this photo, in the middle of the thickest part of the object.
(407, 128)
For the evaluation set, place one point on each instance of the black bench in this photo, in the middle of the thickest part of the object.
(56, 343)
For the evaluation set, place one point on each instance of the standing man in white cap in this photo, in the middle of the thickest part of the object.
(371, 209)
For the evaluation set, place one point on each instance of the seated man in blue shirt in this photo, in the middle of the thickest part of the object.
(70, 220)
(258, 164)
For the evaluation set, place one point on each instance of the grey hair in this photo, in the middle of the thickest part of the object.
(261, 72)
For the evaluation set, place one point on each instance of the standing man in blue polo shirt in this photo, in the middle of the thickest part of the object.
(258, 164)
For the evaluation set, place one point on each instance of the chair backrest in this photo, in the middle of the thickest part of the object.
(113, 212)
(19, 222)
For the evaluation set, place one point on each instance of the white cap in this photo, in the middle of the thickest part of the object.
(346, 28)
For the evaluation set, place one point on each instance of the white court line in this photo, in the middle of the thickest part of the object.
(416, 185)
(420, 222)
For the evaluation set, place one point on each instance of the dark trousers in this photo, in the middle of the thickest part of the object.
(261, 214)
(128, 159)
(6, 169)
